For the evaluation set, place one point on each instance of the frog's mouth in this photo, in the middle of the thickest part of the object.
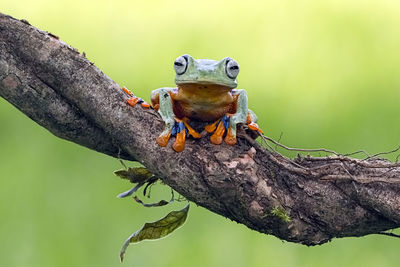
(204, 88)
(204, 84)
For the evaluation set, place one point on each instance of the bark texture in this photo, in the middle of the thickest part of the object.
(307, 200)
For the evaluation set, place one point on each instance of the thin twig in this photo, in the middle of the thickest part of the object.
(383, 153)
(265, 142)
(357, 152)
(279, 139)
(298, 149)
(346, 170)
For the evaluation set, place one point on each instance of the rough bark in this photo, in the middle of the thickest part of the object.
(328, 197)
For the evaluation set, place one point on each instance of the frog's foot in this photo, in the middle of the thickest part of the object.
(228, 124)
(250, 121)
(180, 129)
(211, 127)
(219, 127)
(162, 140)
(189, 129)
(254, 126)
(230, 137)
(133, 100)
(180, 133)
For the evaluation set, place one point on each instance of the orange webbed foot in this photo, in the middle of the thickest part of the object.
(179, 144)
(144, 104)
(254, 126)
(163, 139)
(133, 100)
(230, 138)
(180, 130)
(221, 126)
(216, 138)
(191, 131)
(211, 127)
(127, 91)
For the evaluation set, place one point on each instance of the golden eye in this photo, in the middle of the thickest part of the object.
(232, 68)
(180, 65)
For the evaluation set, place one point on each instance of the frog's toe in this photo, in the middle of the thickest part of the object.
(162, 140)
(251, 122)
(127, 91)
(179, 130)
(190, 130)
(211, 127)
(179, 144)
(132, 101)
(144, 104)
(216, 138)
(253, 126)
(230, 137)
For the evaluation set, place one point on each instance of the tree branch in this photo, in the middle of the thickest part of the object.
(307, 200)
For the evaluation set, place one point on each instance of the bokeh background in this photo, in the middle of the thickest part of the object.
(319, 73)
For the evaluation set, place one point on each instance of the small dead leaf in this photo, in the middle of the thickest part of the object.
(135, 175)
(139, 175)
(157, 229)
(150, 182)
(130, 191)
(156, 204)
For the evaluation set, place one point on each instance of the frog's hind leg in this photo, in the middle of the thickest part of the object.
(181, 129)
(189, 129)
(219, 127)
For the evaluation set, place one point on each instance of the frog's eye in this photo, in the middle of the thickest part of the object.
(232, 68)
(180, 65)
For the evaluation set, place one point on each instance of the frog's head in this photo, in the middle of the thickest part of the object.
(205, 71)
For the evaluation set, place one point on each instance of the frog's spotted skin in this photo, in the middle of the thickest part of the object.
(205, 91)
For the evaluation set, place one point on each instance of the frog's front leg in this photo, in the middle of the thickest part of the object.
(163, 102)
(243, 115)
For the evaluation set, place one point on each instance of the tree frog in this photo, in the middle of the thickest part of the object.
(205, 91)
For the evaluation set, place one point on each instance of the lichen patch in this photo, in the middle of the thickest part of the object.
(263, 189)
(256, 210)
(11, 82)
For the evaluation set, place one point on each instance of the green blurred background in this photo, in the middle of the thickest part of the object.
(323, 73)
